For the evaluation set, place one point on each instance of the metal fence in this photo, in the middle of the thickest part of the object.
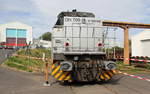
(5, 53)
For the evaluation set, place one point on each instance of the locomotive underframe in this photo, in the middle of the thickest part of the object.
(85, 67)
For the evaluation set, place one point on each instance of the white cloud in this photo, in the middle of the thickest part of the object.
(118, 10)
(41, 14)
(126, 10)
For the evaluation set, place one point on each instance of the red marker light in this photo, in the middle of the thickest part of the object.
(66, 44)
(100, 44)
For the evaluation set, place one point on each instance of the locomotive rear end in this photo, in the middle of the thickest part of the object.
(78, 49)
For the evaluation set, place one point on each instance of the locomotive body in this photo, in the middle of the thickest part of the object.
(78, 48)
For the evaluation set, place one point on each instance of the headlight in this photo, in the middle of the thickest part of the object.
(109, 65)
(66, 66)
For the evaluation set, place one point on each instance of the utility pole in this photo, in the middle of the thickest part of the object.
(126, 45)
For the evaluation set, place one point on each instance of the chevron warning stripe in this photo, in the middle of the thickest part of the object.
(110, 73)
(114, 71)
(102, 77)
(66, 76)
(107, 74)
(59, 74)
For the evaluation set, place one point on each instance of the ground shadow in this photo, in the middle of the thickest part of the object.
(113, 81)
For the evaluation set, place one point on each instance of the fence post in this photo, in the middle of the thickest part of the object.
(46, 71)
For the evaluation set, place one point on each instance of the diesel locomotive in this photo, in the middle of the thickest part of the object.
(78, 48)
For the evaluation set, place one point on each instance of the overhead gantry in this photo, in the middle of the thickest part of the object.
(125, 26)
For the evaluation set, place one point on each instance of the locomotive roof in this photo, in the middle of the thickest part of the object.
(73, 13)
(76, 14)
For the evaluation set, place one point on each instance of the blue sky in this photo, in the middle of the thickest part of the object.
(41, 14)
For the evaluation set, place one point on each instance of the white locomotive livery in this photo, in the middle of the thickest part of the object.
(78, 48)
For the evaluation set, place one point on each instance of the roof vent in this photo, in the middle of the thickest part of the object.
(74, 10)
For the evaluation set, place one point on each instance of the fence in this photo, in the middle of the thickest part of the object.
(5, 53)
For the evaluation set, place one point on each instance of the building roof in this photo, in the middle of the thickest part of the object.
(144, 35)
(16, 22)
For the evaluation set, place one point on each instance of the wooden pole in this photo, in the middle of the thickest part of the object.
(126, 45)
(46, 71)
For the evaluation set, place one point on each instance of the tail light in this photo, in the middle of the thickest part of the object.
(66, 44)
(100, 44)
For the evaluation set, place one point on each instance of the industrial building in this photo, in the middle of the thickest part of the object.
(141, 43)
(15, 34)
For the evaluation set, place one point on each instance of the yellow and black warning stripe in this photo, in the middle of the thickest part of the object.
(107, 74)
(59, 74)
(114, 71)
(102, 77)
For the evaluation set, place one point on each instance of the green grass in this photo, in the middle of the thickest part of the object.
(132, 69)
(27, 64)
(35, 52)
(16, 66)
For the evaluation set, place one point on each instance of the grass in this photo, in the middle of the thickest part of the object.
(35, 52)
(20, 67)
(132, 69)
(28, 64)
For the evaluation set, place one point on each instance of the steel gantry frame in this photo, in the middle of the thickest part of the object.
(126, 26)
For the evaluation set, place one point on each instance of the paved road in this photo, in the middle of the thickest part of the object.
(12, 82)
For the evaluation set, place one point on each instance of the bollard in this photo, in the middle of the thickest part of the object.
(46, 72)
(46, 76)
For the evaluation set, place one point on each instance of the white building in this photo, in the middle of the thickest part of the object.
(15, 34)
(141, 44)
(41, 43)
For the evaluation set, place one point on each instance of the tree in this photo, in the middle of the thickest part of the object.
(118, 51)
(46, 36)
